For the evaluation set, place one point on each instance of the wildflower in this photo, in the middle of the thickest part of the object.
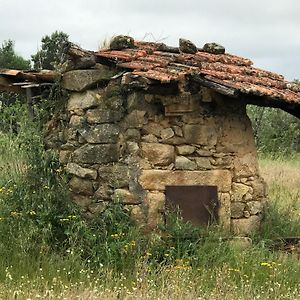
(32, 213)
(266, 264)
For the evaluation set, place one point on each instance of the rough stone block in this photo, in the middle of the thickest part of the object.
(203, 163)
(224, 213)
(200, 134)
(82, 201)
(64, 156)
(158, 154)
(97, 116)
(183, 163)
(246, 165)
(116, 175)
(79, 171)
(246, 226)
(237, 209)
(156, 204)
(185, 149)
(96, 154)
(135, 119)
(80, 80)
(104, 192)
(255, 207)
(239, 190)
(81, 101)
(102, 133)
(125, 196)
(167, 133)
(259, 188)
(158, 179)
(81, 186)
(152, 128)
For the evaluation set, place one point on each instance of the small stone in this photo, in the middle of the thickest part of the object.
(149, 138)
(183, 163)
(81, 186)
(255, 207)
(133, 134)
(214, 48)
(98, 207)
(152, 128)
(246, 226)
(158, 154)
(203, 163)
(132, 148)
(178, 131)
(116, 175)
(239, 190)
(247, 197)
(201, 134)
(102, 133)
(167, 133)
(104, 192)
(203, 152)
(136, 119)
(247, 214)
(237, 209)
(93, 154)
(82, 201)
(102, 116)
(124, 196)
(81, 101)
(76, 121)
(186, 46)
(138, 215)
(121, 42)
(64, 156)
(79, 171)
(185, 149)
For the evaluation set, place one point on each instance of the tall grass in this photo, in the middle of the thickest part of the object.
(49, 251)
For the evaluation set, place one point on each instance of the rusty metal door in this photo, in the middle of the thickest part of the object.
(197, 204)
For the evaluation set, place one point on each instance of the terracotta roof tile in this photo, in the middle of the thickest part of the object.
(229, 70)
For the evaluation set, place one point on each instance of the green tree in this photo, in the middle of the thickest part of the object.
(9, 59)
(51, 53)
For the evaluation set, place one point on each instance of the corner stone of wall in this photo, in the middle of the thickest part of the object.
(128, 147)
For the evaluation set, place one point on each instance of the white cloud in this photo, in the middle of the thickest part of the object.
(265, 31)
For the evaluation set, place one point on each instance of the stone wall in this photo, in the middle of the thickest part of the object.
(128, 145)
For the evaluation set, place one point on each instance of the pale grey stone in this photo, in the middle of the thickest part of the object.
(79, 171)
(166, 133)
(102, 133)
(185, 149)
(203, 163)
(183, 163)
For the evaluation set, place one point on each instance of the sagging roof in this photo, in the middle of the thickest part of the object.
(226, 73)
(18, 81)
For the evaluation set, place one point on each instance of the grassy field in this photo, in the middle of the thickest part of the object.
(130, 266)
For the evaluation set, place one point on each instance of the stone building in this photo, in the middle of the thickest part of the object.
(151, 125)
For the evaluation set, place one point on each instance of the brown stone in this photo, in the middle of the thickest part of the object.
(133, 134)
(156, 203)
(246, 165)
(132, 148)
(246, 226)
(178, 131)
(255, 207)
(150, 138)
(167, 133)
(102, 133)
(158, 179)
(97, 116)
(152, 128)
(138, 215)
(185, 149)
(203, 163)
(239, 190)
(158, 154)
(76, 121)
(125, 196)
(116, 175)
(79, 171)
(200, 134)
(64, 156)
(203, 152)
(80, 80)
(183, 163)
(259, 188)
(81, 101)
(81, 186)
(96, 154)
(136, 119)
(237, 209)
(98, 207)
(104, 192)
(224, 212)
(82, 201)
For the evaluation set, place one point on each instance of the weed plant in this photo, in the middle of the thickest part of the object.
(48, 250)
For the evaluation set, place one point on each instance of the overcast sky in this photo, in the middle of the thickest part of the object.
(266, 31)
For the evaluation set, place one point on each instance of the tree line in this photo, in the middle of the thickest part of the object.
(276, 132)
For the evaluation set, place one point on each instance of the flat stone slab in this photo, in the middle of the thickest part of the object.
(158, 179)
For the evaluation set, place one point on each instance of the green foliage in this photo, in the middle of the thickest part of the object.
(276, 132)
(51, 53)
(9, 59)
